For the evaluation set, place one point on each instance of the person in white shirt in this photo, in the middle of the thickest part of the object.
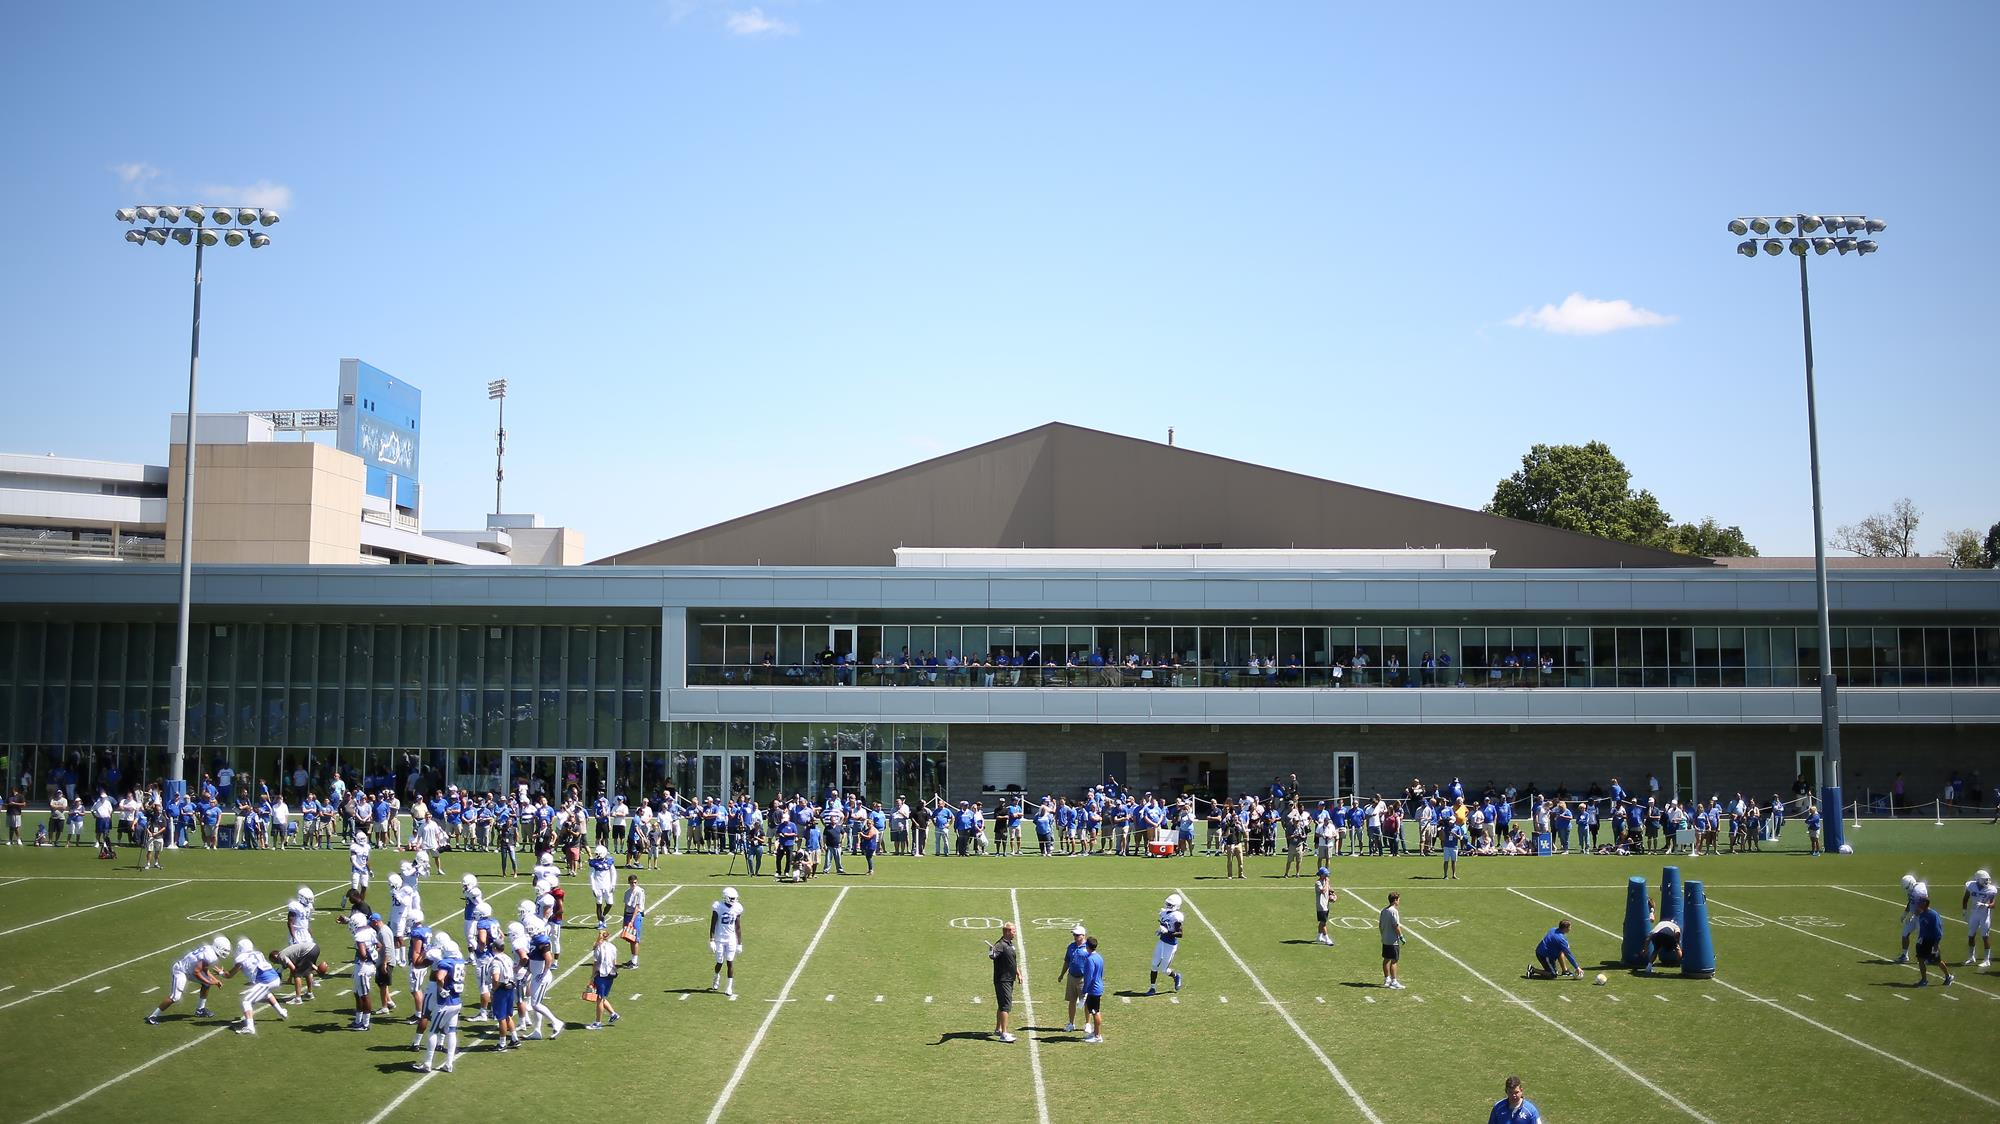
(1172, 928)
(1391, 923)
(604, 976)
(634, 927)
(358, 872)
(1978, 906)
(281, 818)
(1913, 890)
(260, 980)
(725, 938)
(197, 964)
(367, 954)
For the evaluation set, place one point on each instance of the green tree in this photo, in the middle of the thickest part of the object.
(1885, 534)
(1992, 547)
(1968, 552)
(1581, 488)
(1708, 539)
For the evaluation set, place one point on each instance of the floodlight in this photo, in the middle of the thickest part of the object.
(1866, 246)
(127, 214)
(1798, 246)
(1856, 226)
(210, 237)
(268, 217)
(1876, 226)
(171, 214)
(1739, 226)
(1810, 223)
(1822, 245)
(184, 235)
(236, 236)
(195, 212)
(1761, 226)
(136, 237)
(1747, 247)
(1844, 245)
(222, 216)
(149, 214)
(1786, 224)
(259, 241)
(1774, 247)
(246, 215)
(157, 235)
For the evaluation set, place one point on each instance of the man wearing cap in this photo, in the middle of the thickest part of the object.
(603, 977)
(1324, 895)
(1006, 973)
(1076, 962)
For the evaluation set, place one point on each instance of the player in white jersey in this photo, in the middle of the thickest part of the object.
(368, 954)
(400, 893)
(472, 896)
(298, 926)
(634, 928)
(603, 880)
(358, 872)
(1914, 890)
(198, 964)
(1172, 923)
(545, 876)
(1978, 907)
(725, 937)
(260, 979)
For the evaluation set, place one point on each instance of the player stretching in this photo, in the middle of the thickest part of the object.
(199, 963)
(1978, 908)
(725, 938)
(259, 981)
(447, 978)
(1171, 922)
(1914, 891)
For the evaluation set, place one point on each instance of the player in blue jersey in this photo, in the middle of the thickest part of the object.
(541, 956)
(1515, 1107)
(418, 953)
(1552, 953)
(447, 985)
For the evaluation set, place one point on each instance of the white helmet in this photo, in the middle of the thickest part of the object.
(516, 930)
(220, 945)
(408, 868)
(445, 945)
(601, 851)
(483, 910)
(729, 893)
(468, 880)
(527, 907)
(359, 920)
(396, 881)
(1982, 876)
(244, 945)
(1173, 901)
(546, 901)
(1909, 880)
(413, 915)
(306, 895)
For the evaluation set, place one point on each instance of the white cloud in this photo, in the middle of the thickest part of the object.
(263, 193)
(755, 22)
(134, 174)
(1579, 315)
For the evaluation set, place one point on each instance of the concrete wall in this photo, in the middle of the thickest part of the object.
(1756, 762)
(269, 502)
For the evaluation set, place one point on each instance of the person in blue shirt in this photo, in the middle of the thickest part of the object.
(1093, 992)
(1552, 953)
(1930, 939)
(1812, 830)
(1515, 1107)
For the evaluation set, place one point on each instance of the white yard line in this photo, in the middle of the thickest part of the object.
(184, 942)
(1027, 1012)
(88, 908)
(134, 1071)
(10, 882)
(1842, 944)
(1339, 1077)
(743, 1066)
(1948, 918)
(1566, 1031)
(1899, 1060)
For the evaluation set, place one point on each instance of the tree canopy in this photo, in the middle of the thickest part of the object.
(1586, 488)
(1885, 534)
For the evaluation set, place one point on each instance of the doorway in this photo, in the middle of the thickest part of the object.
(1810, 764)
(1346, 774)
(1684, 780)
(722, 774)
(556, 775)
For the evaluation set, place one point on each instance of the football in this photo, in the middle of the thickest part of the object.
(1602, 979)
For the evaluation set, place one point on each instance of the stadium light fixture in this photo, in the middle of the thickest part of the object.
(1829, 687)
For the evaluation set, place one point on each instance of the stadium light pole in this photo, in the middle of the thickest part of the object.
(156, 224)
(496, 391)
(1834, 233)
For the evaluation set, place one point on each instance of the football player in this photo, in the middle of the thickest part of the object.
(367, 952)
(198, 964)
(1978, 907)
(447, 987)
(259, 978)
(1172, 922)
(603, 880)
(1913, 891)
(725, 938)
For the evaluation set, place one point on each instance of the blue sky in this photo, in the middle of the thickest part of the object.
(728, 254)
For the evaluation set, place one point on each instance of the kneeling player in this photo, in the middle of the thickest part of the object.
(1553, 953)
(199, 963)
(1664, 945)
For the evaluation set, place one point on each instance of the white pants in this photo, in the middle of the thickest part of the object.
(256, 993)
(179, 986)
(725, 951)
(538, 986)
(1163, 955)
(602, 891)
(1980, 921)
(1909, 925)
(358, 881)
(364, 978)
(444, 1020)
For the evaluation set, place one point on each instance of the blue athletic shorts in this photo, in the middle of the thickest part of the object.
(503, 1003)
(602, 985)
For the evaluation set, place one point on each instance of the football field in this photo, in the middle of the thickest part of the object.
(871, 997)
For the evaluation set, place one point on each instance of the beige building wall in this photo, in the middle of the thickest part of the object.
(269, 502)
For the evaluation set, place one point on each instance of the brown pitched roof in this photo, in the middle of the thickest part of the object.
(1064, 486)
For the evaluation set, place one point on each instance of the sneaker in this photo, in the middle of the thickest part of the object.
(248, 1029)
(446, 1068)
(1986, 963)
(614, 1016)
(201, 1012)
(1069, 1028)
(153, 1019)
(1923, 983)
(1177, 981)
(534, 1035)
(731, 995)
(1152, 991)
(295, 1001)
(1903, 958)
(1093, 1039)
(593, 1026)
(421, 1067)
(1948, 980)
(1968, 962)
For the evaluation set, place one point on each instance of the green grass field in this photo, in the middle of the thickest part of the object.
(870, 997)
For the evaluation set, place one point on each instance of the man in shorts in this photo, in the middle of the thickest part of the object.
(1006, 973)
(1076, 959)
(1930, 939)
(1093, 992)
(1391, 923)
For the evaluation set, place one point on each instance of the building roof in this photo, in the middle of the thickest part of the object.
(1061, 486)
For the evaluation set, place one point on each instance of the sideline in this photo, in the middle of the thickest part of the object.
(743, 1066)
(1572, 1035)
(1752, 996)
(1028, 1012)
(88, 908)
(1338, 1076)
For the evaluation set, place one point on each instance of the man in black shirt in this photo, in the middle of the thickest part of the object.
(1006, 973)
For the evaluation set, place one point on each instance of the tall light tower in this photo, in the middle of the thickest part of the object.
(159, 224)
(496, 391)
(1834, 233)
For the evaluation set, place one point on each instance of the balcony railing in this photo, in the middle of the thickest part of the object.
(1282, 676)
